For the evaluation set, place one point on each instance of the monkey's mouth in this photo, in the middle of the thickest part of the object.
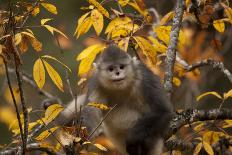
(119, 80)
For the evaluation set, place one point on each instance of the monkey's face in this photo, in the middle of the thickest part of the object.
(117, 75)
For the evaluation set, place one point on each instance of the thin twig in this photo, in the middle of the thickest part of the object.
(23, 104)
(30, 147)
(100, 123)
(14, 100)
(171, 51)
(213, 63)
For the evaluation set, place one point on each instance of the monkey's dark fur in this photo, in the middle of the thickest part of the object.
(142, 114)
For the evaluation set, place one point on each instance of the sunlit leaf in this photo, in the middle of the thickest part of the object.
(53, 58)
(99, 146)
(44, 21)
(100, 8)
(169, 16)
(197, 149)
(39, 73)
(97, 19)
(141, 10)
(148, 50)
(123, 43)
(17, 38)
(53, 29)
(46, 133)
(208, 148)
(228, 94)
(87, 57)
(212, 137)
(54, 76)
(34, 10)
(28, 34)
(80, 21)
(50, 7)
(209, 93)
(36, 44)
(158, 46)
(123, 2)
(98, 105)
(228, 12)
(86, 52)
(219, 25)
(176, 81)
(84, 27)
(52, 112)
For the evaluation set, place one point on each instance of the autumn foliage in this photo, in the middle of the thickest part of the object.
(136, 29)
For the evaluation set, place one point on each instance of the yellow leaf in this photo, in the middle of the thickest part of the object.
(212, 137)
(97, 19)
(148, 50)
(98, 105)
(34, 10)
(36, 44)
(54, 76)
(208, 148)
(228, 94)
(53, 58)
(143, 12)
(50, 7)
(167, 17)
(100, 8)
(1, 47)
(7, 115)
(176, 81)
(123, 2)
(209, 93)
(84, 27)
(52, 112)
(52, 29)
(17, 38)
(91, 49)
(157, 45)
(39, 73)
(80, 21)
(187, 3)
(199, 127)
(28, 34)
(86, 63)
(197, 149)
(228, 12)
(123, 43)
(219, 25)
(31, 125)
(99, 146)
(43, 21)
(117, 22)
(46, 133)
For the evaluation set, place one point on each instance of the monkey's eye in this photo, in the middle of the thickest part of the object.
(111, 68)
(122, 66)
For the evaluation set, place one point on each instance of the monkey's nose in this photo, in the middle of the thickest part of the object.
(117, 73)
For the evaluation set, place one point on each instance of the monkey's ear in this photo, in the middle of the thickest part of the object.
(95, 65)
(135, 60)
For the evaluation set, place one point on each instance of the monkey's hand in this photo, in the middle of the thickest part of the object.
(135, 144)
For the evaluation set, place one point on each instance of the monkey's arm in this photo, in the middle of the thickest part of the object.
(153, 124)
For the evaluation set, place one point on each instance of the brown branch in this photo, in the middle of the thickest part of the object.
(213, 63)
(190, 116)
(28, 79)
(14, 100)
(171, 51)
(30, 147)
(23, 103)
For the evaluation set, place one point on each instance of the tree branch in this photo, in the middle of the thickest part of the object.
(190, 116)
(30, 147)
(171, 51)
(214, 64)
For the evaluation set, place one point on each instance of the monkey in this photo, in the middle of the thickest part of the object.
(141, 111)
